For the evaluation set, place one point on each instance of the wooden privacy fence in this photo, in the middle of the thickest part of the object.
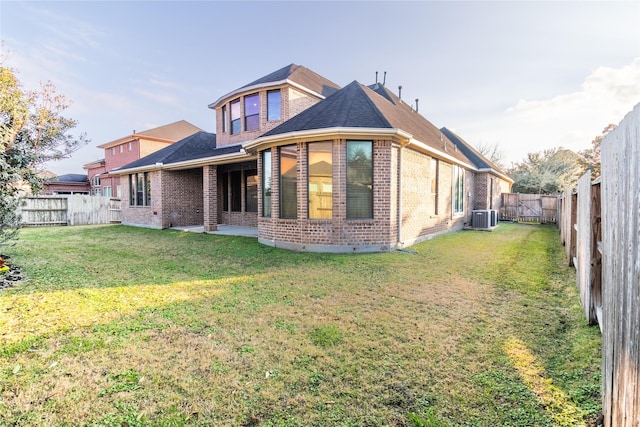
(539, 208)
(600, 228)
(69, 210)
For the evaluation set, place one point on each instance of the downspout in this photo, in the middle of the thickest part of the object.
(399, 243)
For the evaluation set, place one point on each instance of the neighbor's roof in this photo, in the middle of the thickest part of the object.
(169, 133)
(292, 74)
(70, 177)
(359, 106)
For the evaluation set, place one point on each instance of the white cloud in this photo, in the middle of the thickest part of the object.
(569, 120)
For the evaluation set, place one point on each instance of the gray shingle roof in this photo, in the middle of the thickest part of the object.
(471, 153)
(199, 145)
(359, 106)
(70, 177)
(301, 75)
(349, 107)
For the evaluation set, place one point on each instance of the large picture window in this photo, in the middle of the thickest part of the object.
(458, 190)
(320, 171)
(359, 179)
(288, 181)
(235, 116)
(266, 183)
(251, 190)
(273, 105)
(252, 112)
(140, 189)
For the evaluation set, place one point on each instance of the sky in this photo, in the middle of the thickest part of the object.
(525, 76)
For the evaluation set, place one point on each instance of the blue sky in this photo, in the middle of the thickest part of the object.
(523, 75)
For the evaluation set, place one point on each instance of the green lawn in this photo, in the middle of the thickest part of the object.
(121, 326)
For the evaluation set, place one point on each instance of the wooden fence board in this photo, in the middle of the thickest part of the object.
(538, 208)
(621, 272)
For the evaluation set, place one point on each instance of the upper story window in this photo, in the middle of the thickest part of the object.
(224, 118)
(273, 105)
(235, 116)
(121, 148)
(129, 147)
(252, 112)
(113, 151)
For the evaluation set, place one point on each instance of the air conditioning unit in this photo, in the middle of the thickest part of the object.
(493, 218)
(480, 219)
(484, 218)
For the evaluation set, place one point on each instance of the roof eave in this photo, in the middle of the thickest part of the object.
(232, 94)
(497, 173)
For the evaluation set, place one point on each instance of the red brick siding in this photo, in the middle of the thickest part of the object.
(182, 197)
(293, 101)
(145, 216)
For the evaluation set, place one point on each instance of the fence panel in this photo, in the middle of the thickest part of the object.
(529, 207)
(582, 259)
(69, 210)
(621, 272)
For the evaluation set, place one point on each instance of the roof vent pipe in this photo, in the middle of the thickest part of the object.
(376, 77)
(416, 105)
(400, 92)
(384, 78)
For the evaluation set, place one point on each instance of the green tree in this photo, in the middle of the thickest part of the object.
(32, 131)
(590, 158)
(546, 172)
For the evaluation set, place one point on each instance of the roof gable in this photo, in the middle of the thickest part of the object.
(349, 107)
(171, 132)
(471, 153)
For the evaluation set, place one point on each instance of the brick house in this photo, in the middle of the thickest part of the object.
(117, 153)
(315, 167)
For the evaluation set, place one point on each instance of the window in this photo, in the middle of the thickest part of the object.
(288, 182)
(113, 151)
(121, 148)
(224, 118)
(107, 191)
(95, 181)
(139, 189)
(251, 190)
(359, 179)
(458, 190)
(434, 184)
(273, 105)
(235, 116)
(252, 112)
(320, 179)
(129, 146)
(236, 188)
(266, 183)
(119, 191)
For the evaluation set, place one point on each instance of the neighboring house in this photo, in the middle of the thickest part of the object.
(315, 167)
(72, 183)
(104, 182)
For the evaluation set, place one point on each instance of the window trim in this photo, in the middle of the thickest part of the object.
(266, 213)
(279, 92)
(237, 120)
(457, 191)
(280, 175)
(319, 193)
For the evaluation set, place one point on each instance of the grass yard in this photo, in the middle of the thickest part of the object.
(123, 326)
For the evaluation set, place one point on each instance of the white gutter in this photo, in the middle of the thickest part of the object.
(398, 135)
(498, 174)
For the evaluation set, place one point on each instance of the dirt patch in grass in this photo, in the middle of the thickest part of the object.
(225, 331)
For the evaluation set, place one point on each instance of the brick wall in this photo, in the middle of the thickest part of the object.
(182, 198)
(293, 101)
(143, 216)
